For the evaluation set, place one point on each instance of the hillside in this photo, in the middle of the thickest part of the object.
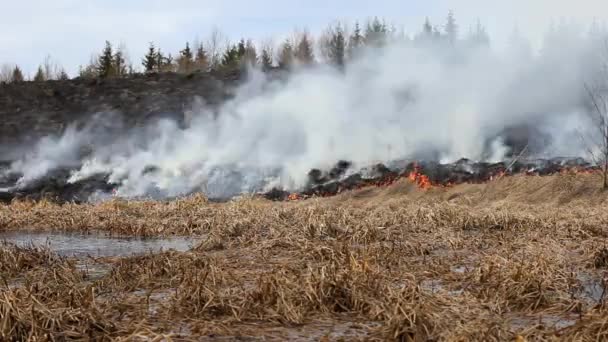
(31, 109)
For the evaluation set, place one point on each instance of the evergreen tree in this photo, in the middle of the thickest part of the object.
(120, 66)
(286, 55)
(479, 36)
(17, 75)
(105, 67)
(230, 58)
(266, 59)
(336, 46)
(451, 28)
(303, 52)
(241, 49)
(185, 61)
(355, 42)
(251, 54)
(427, 28)
(375, 33)
(149, 61)
(160, 60)
(39, 77)
(63, 75)
(201, 60)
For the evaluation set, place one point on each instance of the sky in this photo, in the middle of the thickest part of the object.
(70, 31)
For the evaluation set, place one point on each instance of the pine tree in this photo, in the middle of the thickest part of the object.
(105, 67)
(241, 49)
(17, 75)
(303, 52)
(251, 54)
(149, 61)
(336, 46)
(39, 77)
(375, 33)
(63, 75)
(479, 37)
(427, 28)
(266, 59)
(185, 61)
(230, 58)
(355, 42)
(451, 28)
(160, 61)
(201, 60)
(286, 55)
(120, 67)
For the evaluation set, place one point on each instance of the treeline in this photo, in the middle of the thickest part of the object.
(336, 45)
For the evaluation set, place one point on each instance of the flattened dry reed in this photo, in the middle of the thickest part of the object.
(465, 263)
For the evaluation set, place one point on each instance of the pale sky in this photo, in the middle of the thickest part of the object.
(71, 30)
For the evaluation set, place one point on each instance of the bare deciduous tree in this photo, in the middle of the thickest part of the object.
(597, 141)
(216, 45)
(6, 73)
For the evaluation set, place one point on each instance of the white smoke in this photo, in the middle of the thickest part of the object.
(404, 100)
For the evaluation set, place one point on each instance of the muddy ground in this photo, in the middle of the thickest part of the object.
(520, 258)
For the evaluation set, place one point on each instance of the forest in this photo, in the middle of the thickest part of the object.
(336, 45)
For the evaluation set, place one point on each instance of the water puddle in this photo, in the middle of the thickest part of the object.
(553, 322)
(96, 245)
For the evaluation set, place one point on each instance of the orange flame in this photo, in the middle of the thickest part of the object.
(294, 197)
(423, 181)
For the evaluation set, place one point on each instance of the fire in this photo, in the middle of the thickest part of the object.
(294, 197)
(422, 180)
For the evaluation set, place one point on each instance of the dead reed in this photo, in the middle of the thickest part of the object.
(460, 264)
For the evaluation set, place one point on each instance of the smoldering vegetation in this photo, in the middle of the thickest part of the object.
(420, 99)
(517, 258)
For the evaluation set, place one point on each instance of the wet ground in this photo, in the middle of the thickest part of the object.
(96, 245)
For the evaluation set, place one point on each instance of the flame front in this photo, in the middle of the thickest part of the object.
(423, 181)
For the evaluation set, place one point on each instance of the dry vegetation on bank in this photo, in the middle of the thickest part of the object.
(523, 257)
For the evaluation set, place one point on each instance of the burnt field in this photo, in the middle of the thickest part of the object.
(344, 176)
(515, 258)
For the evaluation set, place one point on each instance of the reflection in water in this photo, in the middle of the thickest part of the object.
(96, 245)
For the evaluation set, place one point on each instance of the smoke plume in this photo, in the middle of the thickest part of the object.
(415, 99)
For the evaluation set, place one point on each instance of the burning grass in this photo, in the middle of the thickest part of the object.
(521, 258)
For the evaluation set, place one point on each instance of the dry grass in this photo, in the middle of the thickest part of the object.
(487, 262)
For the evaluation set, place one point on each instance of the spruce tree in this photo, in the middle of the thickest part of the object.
(303, 52)
(451, 28)
(17, 75)
(479, 37)
(160, 61)
(120, 67)
(185, 60)
(355, 42)
(375, 33)
(63, 75)
(266, 59)
(241, 49)
(230, 58)
(337, 47)
(251, 54)
(149, 61)
(286, 55)
(201, 60)
(39, 77)
(106, 62)
(427, 28)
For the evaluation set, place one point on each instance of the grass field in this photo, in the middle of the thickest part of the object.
(521, 258)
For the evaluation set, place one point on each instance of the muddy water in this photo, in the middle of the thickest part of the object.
(96, 245)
